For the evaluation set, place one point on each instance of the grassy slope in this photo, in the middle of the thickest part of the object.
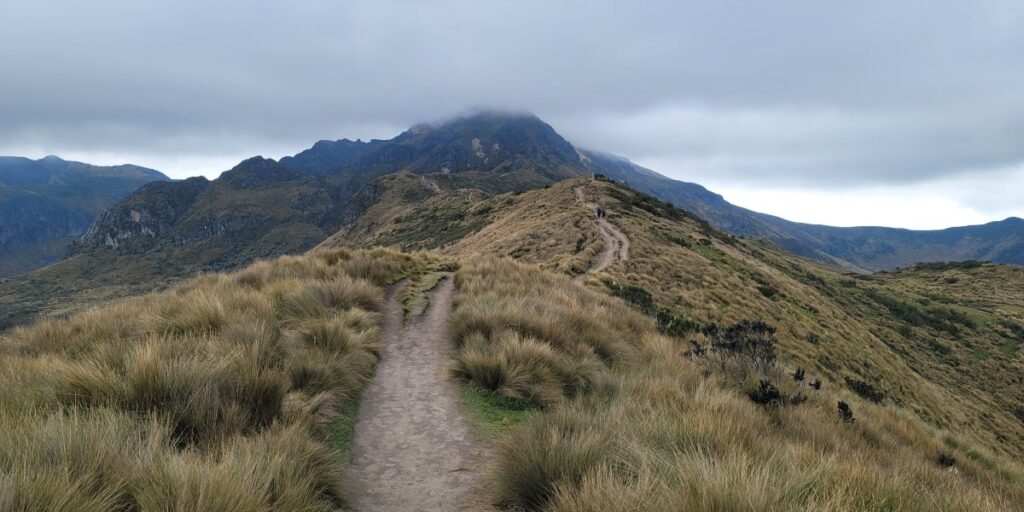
(411, 212)
(837, 326)
(81, 282)
(229, 392)
(840, 325)
(631, 422)
(628, 418)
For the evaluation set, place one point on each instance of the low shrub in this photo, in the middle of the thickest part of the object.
(845, 413)
(940, 318)
(946, 460)
(668, 322)
(766, 393)
(751, 343)
(767, 290)
(864, 390)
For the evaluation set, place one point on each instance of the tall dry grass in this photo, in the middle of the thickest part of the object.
(631, 422)
(217, 395)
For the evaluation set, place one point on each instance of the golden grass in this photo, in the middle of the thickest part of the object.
(656, 429)
(219, 394)
(964, 379)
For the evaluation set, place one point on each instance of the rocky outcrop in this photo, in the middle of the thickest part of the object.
(134, 224)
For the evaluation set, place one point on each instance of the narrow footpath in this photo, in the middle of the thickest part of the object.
(616, 243)
(412, 449)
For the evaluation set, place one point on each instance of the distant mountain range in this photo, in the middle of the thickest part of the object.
(47, 203)
(263, 207)
(856, 248)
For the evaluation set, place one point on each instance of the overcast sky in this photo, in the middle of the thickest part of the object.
(844, 113)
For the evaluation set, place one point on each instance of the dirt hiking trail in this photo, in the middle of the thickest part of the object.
(412, 450)
(616, 243)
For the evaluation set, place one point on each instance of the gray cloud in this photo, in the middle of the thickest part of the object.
(807, 94)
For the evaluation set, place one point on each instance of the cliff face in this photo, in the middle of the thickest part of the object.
(152, 212)
(47, 203)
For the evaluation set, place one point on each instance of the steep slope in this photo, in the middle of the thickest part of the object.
(947, 354)
(858, 248)
(47, 203)
(328, 155)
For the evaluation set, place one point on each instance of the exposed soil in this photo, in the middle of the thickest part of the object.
(412, 449)
(616, 243)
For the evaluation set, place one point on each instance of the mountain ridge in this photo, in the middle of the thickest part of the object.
(263, 208)
(47, 203)
(861, 248)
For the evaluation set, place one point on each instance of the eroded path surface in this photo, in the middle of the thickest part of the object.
(616, 243)
(412, 449)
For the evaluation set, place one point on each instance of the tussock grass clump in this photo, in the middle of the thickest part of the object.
(219, 394)
(541, 347)
(655, 429)
(526, 368)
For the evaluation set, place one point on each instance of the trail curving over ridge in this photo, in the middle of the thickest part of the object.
(616, 243)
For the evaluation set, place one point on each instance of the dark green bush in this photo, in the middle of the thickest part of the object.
(765, 394)
(946, 460)
(799, 375)
(752, 340)
(673, 324)
(845, 413)
(767, 290)
(634, 295)
(864, 390)
(940, 318)
(668, 322)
